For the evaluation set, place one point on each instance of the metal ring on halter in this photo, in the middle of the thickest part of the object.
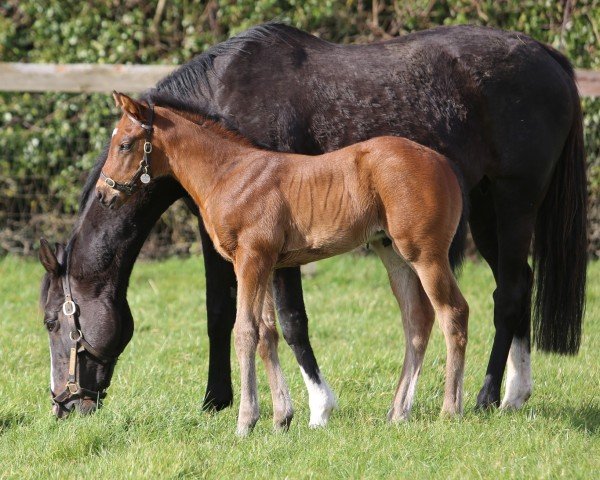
(78, 338)
(110, 182)
(147, 147)
(69, 308)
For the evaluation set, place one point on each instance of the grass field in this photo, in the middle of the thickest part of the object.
(152, 425)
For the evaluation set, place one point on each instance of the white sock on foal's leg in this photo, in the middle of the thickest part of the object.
(519, 383)
(321, 399)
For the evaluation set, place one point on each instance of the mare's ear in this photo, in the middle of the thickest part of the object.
(60, 249)
(130, 106)
(48, 258)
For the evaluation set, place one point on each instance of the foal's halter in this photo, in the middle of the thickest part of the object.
(142, 173)
(73, 389)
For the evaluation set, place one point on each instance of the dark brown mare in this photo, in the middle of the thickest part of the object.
(501, 106)
(298, 209)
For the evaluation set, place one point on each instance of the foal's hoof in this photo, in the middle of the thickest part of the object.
(243, 431)
(450, 414)
(283, 420)
(395, 416)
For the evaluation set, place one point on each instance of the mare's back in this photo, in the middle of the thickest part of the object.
(294, 92)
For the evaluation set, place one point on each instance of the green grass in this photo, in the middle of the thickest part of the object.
(152, 425)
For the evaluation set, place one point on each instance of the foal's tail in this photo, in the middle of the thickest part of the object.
(458, 246)
(560, 243)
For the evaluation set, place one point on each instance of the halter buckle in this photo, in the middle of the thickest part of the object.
(110, 182)
(73, 388)
(69, 308)
(147, 147)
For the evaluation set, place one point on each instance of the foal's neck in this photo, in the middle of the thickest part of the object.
(201, 152)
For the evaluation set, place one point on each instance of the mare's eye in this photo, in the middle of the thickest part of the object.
(125, 147)
(50, 324)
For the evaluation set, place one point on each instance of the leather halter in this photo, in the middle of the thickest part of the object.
(142, 173)
(73, 389)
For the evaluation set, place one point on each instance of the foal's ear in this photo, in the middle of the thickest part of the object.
(48, 258)
(117, 98)
(130, 106)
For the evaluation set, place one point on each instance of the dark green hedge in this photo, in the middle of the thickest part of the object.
(48, 141)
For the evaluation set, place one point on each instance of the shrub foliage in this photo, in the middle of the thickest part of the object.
(49, 141)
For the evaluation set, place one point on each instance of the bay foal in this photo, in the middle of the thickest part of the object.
(265, 210)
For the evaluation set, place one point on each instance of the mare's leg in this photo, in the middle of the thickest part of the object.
(252, 272)
(417, 318)
(453, 312)
(515, 218)
(519, 383)
(294, 324)
(220, 306)
(267, 348)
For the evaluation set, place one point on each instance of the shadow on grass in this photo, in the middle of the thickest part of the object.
(584, 418)
(11, 420)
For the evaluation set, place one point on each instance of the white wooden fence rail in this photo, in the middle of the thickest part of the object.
(87, 78)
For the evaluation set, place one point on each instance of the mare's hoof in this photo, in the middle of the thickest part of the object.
(487, 399)
(515, 402)
(217, 402)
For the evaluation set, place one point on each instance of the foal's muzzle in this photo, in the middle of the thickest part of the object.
(107, 197)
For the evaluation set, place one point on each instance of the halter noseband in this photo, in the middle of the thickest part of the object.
(73, 388)
(142, 173)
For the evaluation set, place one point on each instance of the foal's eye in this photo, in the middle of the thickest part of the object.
(125, 147)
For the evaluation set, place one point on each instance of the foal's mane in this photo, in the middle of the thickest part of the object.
(189, 86)
(197, 113)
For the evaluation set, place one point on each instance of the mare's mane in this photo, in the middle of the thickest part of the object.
(188, 88)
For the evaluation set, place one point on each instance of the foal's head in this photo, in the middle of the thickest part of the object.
(134, 142)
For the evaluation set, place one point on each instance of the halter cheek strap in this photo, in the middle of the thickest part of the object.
(143, 172)
(73, 388)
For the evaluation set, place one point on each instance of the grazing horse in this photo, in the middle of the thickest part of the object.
(501, 106)
(265, 210)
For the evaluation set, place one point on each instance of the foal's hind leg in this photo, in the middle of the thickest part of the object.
(417, 318)
(453, 312)
(267, 348)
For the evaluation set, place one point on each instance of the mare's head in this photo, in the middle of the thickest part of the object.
(83, 350)
(133, 157)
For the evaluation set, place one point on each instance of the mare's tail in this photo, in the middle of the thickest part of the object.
(560, 242)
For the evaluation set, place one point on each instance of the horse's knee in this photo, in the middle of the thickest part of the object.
(245, 337)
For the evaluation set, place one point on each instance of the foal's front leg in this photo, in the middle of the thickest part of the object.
(252, 271)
